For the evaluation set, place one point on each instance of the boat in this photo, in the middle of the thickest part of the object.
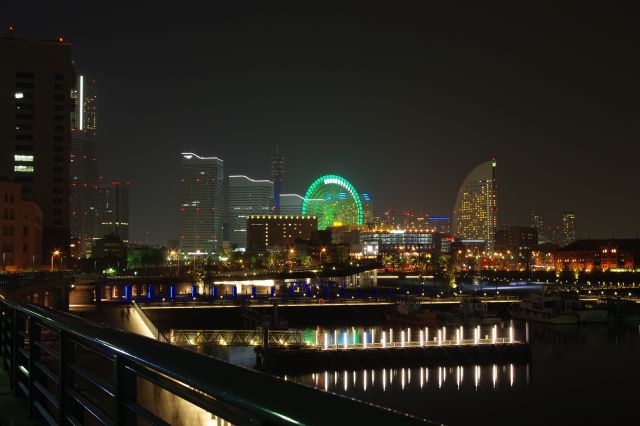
(592, 315)
(476, 312)
(544, 309)
(411, 316)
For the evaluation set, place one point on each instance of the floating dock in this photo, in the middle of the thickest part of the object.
(388, 353)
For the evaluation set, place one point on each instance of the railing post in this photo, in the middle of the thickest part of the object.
(13, 375)
(3, 331)
(126, 391)
(34, 355)
(65, 377)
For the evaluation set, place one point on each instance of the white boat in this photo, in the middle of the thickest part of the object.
(545, 309)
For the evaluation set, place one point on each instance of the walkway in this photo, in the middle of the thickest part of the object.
(119, 316)
(14, 411)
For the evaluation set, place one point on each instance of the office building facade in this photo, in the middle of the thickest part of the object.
(201, 204)
(440, 224)
(599, 255)
(475, 212)
(291, 204)
(21, 225)
(402, 241)
(271, 232)
(246, 197)
(568, 228)
(367, 208)
(113, 207)
(517, 238)
(35, 121)
(277, 177)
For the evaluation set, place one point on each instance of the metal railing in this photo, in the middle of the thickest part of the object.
(235, 337)
(9, 282)
(76, 372)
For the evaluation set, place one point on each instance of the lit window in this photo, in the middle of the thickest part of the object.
(25, 158)
(19, 95)
(19, 168)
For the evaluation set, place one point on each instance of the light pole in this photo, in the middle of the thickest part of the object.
(322, 251)
(291, 258)
(55, 253)
(172, 255)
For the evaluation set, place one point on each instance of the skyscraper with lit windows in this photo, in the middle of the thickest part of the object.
(113, 207)
(290, 204)
(36, 79)
(475, 212)
(277, 176)
(85, 224)
(568, 228)
(246, 197)
(537, 221)
(201, 204)
(367, 208)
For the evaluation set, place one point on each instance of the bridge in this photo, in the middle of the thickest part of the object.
(235, 337)
(41, 287)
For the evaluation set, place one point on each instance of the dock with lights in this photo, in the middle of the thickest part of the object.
(337, 350)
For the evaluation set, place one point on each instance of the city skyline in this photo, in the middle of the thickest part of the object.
(404, 113)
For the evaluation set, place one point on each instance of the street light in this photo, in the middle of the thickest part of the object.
(322, 251)
(55, 253)
(172, 255)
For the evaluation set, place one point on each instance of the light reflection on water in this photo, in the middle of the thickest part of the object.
(412, 379)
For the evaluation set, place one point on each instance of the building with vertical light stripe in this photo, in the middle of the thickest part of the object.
(201, 204)
(475, 213)
(246, 197)
(84, 221)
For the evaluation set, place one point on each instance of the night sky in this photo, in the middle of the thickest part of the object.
(401, 98)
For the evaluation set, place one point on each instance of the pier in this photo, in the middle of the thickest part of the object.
(342, 350)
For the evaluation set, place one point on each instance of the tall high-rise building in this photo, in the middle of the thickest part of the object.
(277, 176)
(537, 221)
(201, 204)
(475, 213)
(367, 208)
(246, 197)
(290, 204)
(36, 79)
(113, 208)
(85, 225)
(568, 228)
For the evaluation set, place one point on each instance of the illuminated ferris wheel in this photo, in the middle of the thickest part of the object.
(334, 201)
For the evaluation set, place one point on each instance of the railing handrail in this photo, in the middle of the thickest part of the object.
(258, 394)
